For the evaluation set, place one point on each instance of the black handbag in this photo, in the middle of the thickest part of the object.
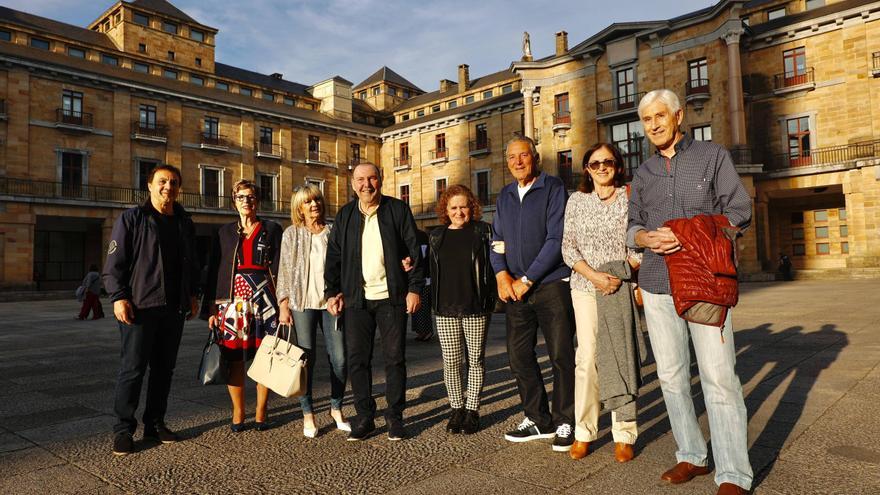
(212, 368)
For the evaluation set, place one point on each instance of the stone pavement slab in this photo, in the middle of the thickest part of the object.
(808, 356)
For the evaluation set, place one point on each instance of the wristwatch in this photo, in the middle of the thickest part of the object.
(525, 280)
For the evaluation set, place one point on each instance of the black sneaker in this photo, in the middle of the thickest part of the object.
(471, 422)
(161, 433)
(361, 430)
(526, 432)
(123, 444)
(456, 418)
(564, 438)
(396, 431)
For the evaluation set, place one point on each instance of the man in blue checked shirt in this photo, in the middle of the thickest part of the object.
(685, 178)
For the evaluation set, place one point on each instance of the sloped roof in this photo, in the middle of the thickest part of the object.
(162, 7)
(477, 83)
(43, 24)
(805, 15)
(257, 79)
(386, 74)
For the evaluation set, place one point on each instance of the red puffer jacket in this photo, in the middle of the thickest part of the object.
(702, 274)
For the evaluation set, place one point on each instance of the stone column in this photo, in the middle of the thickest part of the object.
(735, 92)
(528, 111)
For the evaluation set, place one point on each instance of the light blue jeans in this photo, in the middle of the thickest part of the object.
(722, 391)
(306, 324)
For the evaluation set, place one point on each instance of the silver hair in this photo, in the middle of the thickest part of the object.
(665, 96)
(517, 137)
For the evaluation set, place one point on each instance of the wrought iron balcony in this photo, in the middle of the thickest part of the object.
(214, 142)
(439, 155)
(318, 158)
(825, 156)
(875, 66)
(149, 131)
(479, 146)
(562, 120)
(794, 81)
(696, 92)
(268, 150)
(741, 156)
(621, 105)
(402, 162)
(69, 119)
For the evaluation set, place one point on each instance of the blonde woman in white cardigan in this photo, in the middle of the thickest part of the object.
(301, 298)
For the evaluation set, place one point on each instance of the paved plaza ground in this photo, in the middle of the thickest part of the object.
(808, 358)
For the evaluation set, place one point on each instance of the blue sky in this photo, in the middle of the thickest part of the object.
(309, 41)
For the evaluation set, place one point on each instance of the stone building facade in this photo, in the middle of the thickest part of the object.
(787, 85)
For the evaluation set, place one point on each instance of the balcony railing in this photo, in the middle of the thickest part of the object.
(214, 141)
(741, 156)
(66, 117)
(479, 146)
(875, 71)
(268, 150)
(439, 154)
(827, 155)
(319, 157)
(619, 104)
(2, 109)
(402, 162)
(792, 79)
(562, 119)
(696, 87)
(149, 130)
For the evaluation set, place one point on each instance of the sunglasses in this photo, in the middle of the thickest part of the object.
(596, 165)
(241, 198)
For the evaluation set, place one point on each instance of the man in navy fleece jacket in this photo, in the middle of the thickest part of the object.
(533, 280)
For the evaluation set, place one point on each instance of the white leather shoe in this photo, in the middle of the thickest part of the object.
(343, 426)
(310, 432)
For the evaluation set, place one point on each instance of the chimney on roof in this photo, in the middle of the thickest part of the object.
(277, 75)
(444, 85)
(561, 43)
(463, 77)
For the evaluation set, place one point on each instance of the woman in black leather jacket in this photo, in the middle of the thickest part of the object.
(463, 299)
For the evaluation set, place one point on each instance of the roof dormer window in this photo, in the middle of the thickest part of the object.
(169, 27)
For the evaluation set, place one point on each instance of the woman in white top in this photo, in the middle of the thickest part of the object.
(595, 235)
(301, 298)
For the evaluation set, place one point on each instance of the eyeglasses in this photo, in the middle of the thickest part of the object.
(596, 165)
(241, 198)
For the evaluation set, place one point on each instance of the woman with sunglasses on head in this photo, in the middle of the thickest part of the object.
(594, 244)
(240, 294)
(302, 301)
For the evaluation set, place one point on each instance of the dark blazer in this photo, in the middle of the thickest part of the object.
(225, 257)
(133, 269)
(484, 277)
(342, 272)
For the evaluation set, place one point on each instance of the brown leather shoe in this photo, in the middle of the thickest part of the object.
(579, 450)
(623, 452)
(684, 472)
(731, 489)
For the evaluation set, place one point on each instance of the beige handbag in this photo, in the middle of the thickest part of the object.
(280, 365)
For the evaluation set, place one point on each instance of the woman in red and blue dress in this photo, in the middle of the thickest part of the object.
(240, 294)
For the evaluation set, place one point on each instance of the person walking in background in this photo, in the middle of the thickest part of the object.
(151, 273)
(302, 303)
(240, 294)
(533, 279)
(608, 356)
(92, 295)
(463, 299)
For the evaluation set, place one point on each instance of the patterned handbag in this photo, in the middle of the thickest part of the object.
(280, 365)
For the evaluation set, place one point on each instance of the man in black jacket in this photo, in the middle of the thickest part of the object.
(151, 274)
(364, 277)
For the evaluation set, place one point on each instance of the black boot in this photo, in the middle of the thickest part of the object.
(455, 420)
(471, 423)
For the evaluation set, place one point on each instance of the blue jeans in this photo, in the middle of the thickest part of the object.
(306, 324)
(716, 359)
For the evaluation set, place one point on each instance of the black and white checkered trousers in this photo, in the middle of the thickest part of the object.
(451, 331)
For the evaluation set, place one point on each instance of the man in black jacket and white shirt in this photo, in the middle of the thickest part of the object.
(365, 278)
(151, 274)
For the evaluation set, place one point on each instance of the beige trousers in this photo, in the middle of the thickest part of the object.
(586, 376)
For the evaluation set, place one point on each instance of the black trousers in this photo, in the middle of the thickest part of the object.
(547, 306)
(360, 332)
(151, 340)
